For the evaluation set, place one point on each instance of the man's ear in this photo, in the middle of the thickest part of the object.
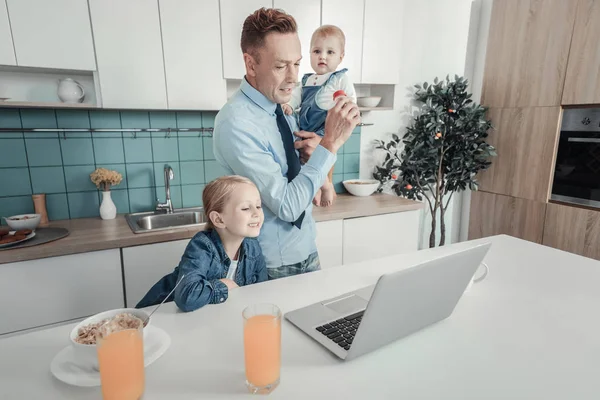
(250, 63)
(216, 219)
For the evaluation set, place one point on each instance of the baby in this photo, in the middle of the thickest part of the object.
(320, 90)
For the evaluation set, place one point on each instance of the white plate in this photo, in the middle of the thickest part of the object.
(65, 368)
(32, 234)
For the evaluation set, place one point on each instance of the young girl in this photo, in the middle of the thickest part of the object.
(222, 257)
(316, 95)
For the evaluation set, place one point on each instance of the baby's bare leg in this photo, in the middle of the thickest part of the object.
(328, 191)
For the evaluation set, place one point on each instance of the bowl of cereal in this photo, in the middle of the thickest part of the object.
(83, 335)
(23, 222)
(361, 187)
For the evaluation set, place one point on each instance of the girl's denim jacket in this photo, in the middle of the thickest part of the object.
(204, 263)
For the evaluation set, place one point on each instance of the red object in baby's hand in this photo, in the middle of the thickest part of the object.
(338, 93)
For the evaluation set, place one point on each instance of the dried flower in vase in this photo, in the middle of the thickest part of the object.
(104, 178)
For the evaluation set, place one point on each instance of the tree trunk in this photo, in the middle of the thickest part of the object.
(442, 226)
(433, 226)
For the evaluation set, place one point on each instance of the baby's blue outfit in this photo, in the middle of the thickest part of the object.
(312, 117)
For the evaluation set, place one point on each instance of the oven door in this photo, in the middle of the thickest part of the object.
(577, 170)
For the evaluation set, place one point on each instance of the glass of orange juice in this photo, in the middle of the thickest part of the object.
(262, 347)
(121, 361)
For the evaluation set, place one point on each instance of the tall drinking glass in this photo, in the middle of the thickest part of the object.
(262, 347)
(121, 361)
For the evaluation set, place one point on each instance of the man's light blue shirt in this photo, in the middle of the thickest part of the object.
(247, 142)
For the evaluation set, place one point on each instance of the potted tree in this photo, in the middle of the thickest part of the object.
(441, 152)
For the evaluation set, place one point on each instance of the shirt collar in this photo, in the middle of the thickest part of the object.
(257, 97)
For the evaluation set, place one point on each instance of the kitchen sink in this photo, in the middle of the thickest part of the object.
(156, 221)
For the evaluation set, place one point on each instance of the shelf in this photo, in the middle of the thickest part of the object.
(34, 104)
(375, 108)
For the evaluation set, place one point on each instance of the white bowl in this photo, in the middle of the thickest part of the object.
(86, 353)
(371, 101)
(32, 221)
(361, 187)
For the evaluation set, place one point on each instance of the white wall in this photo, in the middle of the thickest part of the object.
(439, 38)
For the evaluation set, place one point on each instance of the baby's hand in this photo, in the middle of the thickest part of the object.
(287, 109)
(230, 284)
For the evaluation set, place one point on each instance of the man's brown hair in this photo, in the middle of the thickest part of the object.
(262, 22)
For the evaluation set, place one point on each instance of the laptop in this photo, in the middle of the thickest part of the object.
(399, 304)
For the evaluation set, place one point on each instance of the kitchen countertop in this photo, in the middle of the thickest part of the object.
(93, 234)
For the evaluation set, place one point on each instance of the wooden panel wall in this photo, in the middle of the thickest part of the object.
(526, 140)
(494, 214)
(528, 47)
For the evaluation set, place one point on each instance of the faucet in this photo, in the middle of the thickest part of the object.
(167, 206)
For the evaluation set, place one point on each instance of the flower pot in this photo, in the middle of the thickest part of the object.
(108, 210)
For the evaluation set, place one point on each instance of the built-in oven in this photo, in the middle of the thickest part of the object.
(577, 169)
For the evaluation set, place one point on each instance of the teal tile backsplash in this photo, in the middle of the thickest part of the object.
(59, 165)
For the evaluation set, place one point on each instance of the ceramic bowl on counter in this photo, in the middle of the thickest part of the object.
(86, 353)
(361, 187)
(23, 221)
(369, 101)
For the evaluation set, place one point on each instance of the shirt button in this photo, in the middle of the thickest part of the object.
(222, 299)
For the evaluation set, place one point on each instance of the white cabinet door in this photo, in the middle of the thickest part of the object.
(348, 16)
(51, 290)
(382, 36)
(329, 242)
(233, 15)
(52, 34)
(308, 18)
(191, 37)
(7, 51)
(368, 238)
(144, 265)
(129, 53)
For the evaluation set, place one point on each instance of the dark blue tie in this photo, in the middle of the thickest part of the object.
(293, 161)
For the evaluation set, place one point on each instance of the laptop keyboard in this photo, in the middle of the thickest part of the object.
(342, 331)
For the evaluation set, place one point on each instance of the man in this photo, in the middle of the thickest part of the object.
(254, 138)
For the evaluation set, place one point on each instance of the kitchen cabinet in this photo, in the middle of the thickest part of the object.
(381, 35)
(129, 53)
(330, 242)
(51, 290)
(367, 238)
(582, 84)
(494, 214)
(573, 229)
(526, 141)
(233, 15)
(192, 52)
(348, 16)
(527, 53)
(52, 34)
(7, 51)
(144, 265)
(308, 18)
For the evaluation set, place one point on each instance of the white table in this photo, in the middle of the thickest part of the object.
(530, 330)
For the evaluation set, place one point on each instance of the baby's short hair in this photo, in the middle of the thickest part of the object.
(216, 193)
(329, 30)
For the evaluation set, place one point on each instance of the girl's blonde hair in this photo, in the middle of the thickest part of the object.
(329, 30)
(217, 192)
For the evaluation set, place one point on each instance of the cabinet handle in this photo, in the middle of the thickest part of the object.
(584, 140)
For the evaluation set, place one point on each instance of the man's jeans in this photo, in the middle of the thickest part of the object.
(311, 264)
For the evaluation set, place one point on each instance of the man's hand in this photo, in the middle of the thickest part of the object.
(287, 109)
(230, 284)
(339, 124)
(307, 145)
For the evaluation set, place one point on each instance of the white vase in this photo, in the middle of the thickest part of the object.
(108, 210)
